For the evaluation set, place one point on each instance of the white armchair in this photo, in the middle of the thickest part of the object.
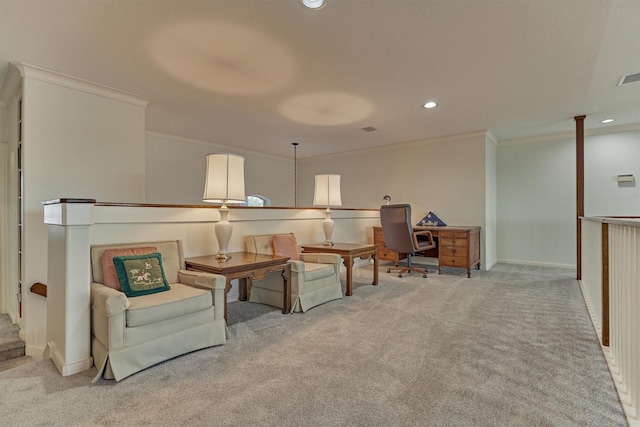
(131, 334)
(315, 278)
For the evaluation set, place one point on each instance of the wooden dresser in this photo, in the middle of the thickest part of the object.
(385, 253)
(457, 247)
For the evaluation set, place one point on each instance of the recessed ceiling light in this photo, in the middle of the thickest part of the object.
(430, 104)
(313, 4)
(607, 120)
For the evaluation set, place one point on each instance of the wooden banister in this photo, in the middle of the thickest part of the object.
(39, 288)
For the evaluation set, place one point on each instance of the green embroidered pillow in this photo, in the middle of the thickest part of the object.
(141, 274)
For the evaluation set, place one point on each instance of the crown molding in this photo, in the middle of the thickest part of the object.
(10, 85)
(572, 135)
(491, 137)
(225, 147)
(18, 70)
(470, 136)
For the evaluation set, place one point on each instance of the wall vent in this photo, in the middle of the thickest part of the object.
(369, 129)
(629, 78)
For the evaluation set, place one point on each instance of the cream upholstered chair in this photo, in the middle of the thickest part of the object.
(315, 278)
(129, 334)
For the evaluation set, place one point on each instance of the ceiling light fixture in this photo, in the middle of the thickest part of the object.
(607, 120)
(313, 4)
(430, 104)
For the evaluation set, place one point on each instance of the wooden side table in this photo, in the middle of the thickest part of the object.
(243, 266)
(348, 252)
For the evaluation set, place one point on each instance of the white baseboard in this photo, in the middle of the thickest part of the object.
(36, 353)
(71, 368)
(534, 263)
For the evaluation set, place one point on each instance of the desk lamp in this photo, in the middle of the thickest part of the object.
(327, 193)
(224, 184)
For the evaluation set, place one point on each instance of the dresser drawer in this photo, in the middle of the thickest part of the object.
(457, 243)
(453, 234)
(453, 261)
(453, 239)
(388, 255)
(451, 250)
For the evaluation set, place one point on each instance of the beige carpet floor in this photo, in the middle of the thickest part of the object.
(510, 347)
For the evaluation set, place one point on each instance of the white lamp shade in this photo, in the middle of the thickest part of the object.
(224, 182)
(327, 191)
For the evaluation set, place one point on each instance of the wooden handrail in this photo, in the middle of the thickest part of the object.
(39, 288)
(207, 206)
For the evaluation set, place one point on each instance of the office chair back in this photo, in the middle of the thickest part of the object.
(397, 228)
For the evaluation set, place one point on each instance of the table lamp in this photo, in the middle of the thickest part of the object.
(327, 193)
(224, 184)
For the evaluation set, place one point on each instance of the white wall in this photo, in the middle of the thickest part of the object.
(537, 192)
(5, 296)
(77, 144)
(537, 203)
(606, 157)
(444, 175)
(491, 201)
(176, 169)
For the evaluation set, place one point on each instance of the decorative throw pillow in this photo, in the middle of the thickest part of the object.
(286, 245)
(109, 270)
(141, 274)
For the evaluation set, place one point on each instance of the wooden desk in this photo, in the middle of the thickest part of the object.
(457, 246)
(243, 266)
(348, 252)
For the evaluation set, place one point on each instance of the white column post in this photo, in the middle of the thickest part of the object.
(68, 284)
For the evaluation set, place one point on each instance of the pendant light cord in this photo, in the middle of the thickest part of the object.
(295, 174)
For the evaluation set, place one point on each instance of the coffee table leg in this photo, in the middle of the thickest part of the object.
(348, 262)
(242, 289)
(227, 288)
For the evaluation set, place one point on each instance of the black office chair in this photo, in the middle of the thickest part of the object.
(400, 237)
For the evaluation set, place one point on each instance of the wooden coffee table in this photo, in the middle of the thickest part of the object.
(243, 266)
(348, 252)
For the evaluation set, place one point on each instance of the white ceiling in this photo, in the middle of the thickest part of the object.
(261, 74)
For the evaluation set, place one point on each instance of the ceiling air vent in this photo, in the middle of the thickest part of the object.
(369, 129)
(629, 78)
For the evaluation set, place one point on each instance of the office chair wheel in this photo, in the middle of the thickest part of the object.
(424, 276)
(389, 271)
(399, 275)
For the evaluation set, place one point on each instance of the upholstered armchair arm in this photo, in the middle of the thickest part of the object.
(108, 315)
(297, 265)
(302, 284)
(107, 301)
(321, 258)
(214, 282)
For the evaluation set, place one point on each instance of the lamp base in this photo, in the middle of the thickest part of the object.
(327, 227)
(223, 257)
(224, 229)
